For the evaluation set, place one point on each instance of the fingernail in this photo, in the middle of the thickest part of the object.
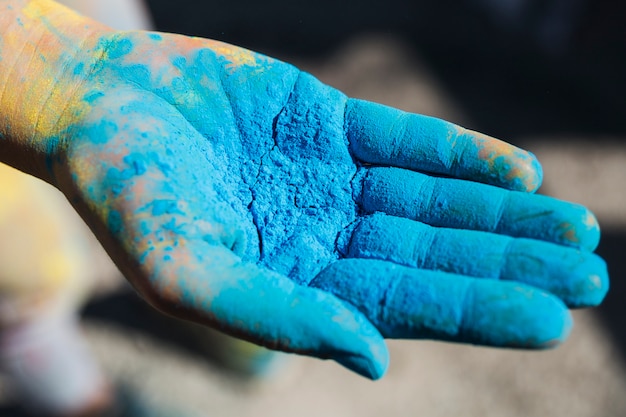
(363, 366)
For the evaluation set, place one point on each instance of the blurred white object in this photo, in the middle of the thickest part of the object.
(119, 14)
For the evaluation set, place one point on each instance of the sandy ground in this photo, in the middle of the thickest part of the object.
(585, 377)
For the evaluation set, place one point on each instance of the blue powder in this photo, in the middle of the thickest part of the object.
(93, 96)
(119, 47)
(262, 177)
(446, 202)
(79, 68)
(383, 135)
(114, 222)
(304, 183)
(579, 278)
(161, 207)
(409, 303)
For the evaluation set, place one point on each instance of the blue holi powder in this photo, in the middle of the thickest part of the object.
(101, 132)
(160, 207)
(260, 178)
(579, 278)
(119, 47)
(386, 136)
(312, 321)
(310, 156)
(117, 181)
(446, 202)
(52, 156)
(408, 303)
(407, 139)
(565, 223)
(79, 68)
(137, 73)
(114, 222)
(174, 227)
(93, 96)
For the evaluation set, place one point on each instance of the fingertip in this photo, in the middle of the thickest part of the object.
(563, 324)
(341, 333)
(520, 317)
(551, 220)
(531, 173)
(507, 165)
(372, 365)
(591, 287)
(590, 231)
(578, 277)
(352, 341)
(579, 228)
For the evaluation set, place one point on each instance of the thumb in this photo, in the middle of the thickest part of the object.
(266, 308)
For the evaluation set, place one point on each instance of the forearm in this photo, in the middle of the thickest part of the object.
(46, 54)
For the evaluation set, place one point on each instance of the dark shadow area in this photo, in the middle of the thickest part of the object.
(12, 411)
(126, 309)
(613, 310)
(512, 78)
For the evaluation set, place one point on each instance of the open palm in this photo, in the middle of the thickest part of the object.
(234, 190)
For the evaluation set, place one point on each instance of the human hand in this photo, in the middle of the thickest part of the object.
(234, 190)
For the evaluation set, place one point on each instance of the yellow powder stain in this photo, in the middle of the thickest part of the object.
(590, 221)
(54, 113)
(569, 232)
(36, 10)
(38, 97)
(238, 57)
(489, 149)
(453, 136)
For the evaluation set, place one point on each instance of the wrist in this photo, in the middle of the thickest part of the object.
(46, 53)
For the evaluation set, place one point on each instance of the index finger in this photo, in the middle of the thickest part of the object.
(383, 135)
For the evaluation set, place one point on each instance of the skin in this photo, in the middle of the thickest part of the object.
(236, 191)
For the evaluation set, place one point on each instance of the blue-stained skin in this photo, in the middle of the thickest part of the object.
(237, 191)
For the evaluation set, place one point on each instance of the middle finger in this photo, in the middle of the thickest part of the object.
(460, 204)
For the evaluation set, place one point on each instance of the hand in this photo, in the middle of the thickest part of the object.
(236, 191)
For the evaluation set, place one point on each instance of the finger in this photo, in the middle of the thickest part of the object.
(446, 202)
(410, 303)
(386, 136)
(266, 308)
(579, 278)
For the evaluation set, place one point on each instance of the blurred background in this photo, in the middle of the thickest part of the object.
(545, 75)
